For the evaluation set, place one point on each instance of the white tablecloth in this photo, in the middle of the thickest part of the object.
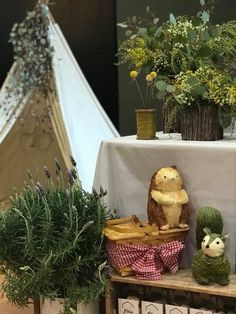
(208, 169)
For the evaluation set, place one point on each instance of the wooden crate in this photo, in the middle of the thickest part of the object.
(181, 281)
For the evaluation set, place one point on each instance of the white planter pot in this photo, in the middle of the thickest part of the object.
(91, 308)
(7, 308)
(51, 307)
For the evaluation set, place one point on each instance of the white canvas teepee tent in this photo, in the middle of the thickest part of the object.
(76, 126)
(86, 122)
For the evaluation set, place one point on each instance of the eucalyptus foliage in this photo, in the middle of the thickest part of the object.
(179, 47)
(52, 243)
(33, 71)
(33, 51)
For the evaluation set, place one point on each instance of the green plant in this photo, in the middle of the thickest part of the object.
(180, 47)
(52, 242)
(206, 85)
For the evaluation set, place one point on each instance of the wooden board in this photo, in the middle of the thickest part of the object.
(184, 281)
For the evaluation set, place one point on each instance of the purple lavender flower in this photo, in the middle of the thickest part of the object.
(70, 177)
(74, 173)
(30, 174)
(95, 193)
(102, 192)
(39, 188)
(48, 174)
(73, 161)
(58, 166)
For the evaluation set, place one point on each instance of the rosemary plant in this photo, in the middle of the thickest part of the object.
(52, 242)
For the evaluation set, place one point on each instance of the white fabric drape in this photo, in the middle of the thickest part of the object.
(85, 120)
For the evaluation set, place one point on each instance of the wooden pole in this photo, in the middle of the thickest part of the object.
(36, 306)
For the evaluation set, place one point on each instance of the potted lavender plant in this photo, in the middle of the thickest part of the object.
(52, 243)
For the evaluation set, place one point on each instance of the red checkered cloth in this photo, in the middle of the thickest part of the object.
(148, 262)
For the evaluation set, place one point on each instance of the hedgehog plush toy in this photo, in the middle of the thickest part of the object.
(167, 205)
(210, 264)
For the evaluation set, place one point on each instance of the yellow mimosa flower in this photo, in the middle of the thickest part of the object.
(133, 74)
(153, 74)
(149, 78)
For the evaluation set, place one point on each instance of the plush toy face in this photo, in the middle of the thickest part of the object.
(168, 180)
(213, 246)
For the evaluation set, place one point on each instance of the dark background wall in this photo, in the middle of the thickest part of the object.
(90, 29)
(128, 96)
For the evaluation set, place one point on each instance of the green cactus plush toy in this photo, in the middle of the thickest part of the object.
(210, 264)
(207, 217)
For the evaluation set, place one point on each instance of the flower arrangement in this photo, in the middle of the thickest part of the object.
(150, 84)
(180, 51)
(205, 85)
(146, 117)
(52, 243)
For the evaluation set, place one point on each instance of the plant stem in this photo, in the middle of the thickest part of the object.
(36, 306)
(140, 93)
(147, 93)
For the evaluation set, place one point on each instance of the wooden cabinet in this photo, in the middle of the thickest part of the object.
(182, 281)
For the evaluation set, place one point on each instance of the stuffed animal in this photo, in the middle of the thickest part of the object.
(167, 200)
(210, 263)
(207, 217)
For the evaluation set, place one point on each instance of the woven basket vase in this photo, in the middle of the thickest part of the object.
(201, 123)
(146, 124)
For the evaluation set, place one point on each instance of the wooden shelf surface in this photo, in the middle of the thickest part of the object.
(184, 281)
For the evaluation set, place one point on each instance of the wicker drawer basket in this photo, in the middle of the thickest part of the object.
(130, 231)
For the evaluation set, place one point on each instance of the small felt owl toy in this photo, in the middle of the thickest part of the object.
(210, 264)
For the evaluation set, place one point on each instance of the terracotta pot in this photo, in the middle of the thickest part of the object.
(91, 308)
(201, 123)
(146, 124)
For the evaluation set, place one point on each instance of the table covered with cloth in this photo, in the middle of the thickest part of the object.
(208, 169)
